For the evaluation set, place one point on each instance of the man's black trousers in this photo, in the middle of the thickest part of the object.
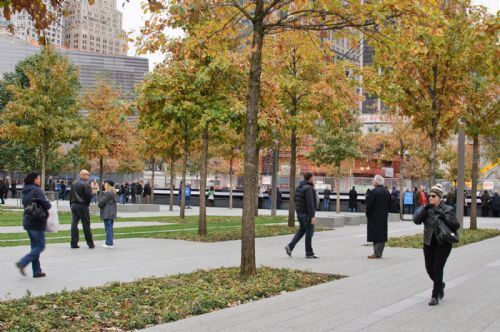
(80, 212)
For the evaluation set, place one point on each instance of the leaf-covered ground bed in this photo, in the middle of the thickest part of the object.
(150, 301)
(467, 237)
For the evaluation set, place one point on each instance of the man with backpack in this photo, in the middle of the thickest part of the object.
(305, 206)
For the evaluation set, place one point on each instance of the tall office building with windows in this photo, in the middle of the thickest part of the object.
(23, 28)
(95, 28)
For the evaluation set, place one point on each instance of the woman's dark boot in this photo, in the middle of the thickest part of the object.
(434, 301)
(441, 291)
(434, 298)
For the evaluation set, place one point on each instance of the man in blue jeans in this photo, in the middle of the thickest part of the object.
(305, 206)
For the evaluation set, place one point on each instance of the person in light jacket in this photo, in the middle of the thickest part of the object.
(435, 252)
(107, 204)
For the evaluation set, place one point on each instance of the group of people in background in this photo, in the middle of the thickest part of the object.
(135, 192)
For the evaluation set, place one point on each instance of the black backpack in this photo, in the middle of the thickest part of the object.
(36, 212)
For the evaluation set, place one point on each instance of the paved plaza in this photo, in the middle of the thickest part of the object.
(379, 295)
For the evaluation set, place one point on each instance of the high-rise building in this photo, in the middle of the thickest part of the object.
(24, 28)
(95, 28)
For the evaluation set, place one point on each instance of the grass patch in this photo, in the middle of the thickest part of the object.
(218, 231)
(14, 218)
(467, 237)
(150, 301)
(229, 234)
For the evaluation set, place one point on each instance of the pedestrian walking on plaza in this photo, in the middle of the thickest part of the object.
(95, 190)
(188, 196)
(3, 189)
(378, 204)
(13, 189)
(122, 193)
(79, 200)
(133, 192)
(35, 227)
(495, 205)
(6, 190)
(353, 200)
(63, 190)
(326, 199)
(50, 184)
(107, 204)
(147, 193)
(211, 196)
(485, 204)
(139, 188)
(278, 197)
(422, 196)
(305, 206)
(436, 252)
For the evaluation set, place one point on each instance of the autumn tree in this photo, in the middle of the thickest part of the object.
(256, 20)
(337, 139)
(107, 130)
(418, 68)
(303, 67)
(44, 113)
(480, 97)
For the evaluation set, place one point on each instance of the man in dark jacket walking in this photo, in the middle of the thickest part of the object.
(305, 206)
(3, 189)
(377, 212)
(79, 198)
(353, 200)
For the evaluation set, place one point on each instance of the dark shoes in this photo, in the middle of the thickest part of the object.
(91, 246)
(75, 247)
(373, 256)
(312, 256)
(441, 292)
(434, 301)
(39, 275)
(288, 251)
(21, 269)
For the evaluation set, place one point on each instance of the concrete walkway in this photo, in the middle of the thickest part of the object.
(379, 295)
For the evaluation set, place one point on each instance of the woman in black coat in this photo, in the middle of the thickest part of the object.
(436, 252)
(35, 228)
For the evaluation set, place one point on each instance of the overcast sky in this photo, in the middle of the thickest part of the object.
(133, 19)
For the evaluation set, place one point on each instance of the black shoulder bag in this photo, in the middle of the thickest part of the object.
(445, 234)
(36, 212)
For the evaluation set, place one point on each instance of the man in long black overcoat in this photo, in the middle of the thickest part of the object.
(378, 204)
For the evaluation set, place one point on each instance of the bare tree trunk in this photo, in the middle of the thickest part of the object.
(401, 193)
(101, 176)
(257, 154)
(293, 171)
(337, 185)
(153, 181)
(402, 163)
(231, 173)
(184, 171)
(248, 266)
(43, 154)
(475, 164)
(202, 218)
(432, 156)
(274, 181)
(172, 183)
